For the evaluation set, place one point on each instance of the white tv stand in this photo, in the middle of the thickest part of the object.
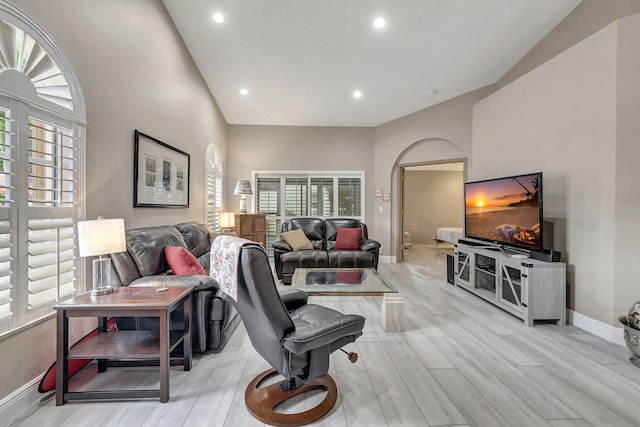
(527, 288)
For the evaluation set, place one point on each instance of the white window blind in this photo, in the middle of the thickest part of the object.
(6, 274)
(321, 190)
(41, 173)
(6, 150)
(282, 196)
(51, 260)
(214, 176)
(295, 196)
(51, 165)
(22, 53)
(349, 197)
(268, 196)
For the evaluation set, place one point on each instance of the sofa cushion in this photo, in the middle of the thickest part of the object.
(332, 225)
(351, 259)
(146, 246)
(313, 228)
(296, 239)
(182, 262)
(304, 259)
(348, 239)
(196, 237)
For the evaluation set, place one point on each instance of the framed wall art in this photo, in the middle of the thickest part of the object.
(160, 174)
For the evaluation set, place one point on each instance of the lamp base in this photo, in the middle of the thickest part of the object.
(243, 204)
(102, 277)
(101, 291)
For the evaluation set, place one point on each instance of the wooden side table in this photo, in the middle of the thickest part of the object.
(138, 345)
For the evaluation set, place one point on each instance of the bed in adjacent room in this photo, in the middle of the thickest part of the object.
(448, 235)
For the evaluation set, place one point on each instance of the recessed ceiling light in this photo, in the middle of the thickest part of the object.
(379, 23)
(218, 17)
(357, 94)
(244, 91)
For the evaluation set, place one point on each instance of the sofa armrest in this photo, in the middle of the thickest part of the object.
(369, 245)
(197, 281)
(280, 244)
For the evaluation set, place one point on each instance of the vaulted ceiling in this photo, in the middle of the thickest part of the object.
(300, 62)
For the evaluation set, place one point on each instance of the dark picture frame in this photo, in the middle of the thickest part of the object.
(159, 174)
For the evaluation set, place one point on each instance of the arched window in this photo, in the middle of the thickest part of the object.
(42, 128)
(213, 170)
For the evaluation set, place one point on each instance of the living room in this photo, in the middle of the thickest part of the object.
(568, 108)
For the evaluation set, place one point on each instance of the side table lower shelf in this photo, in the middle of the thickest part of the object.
(124, 345)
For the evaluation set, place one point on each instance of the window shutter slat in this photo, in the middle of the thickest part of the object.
(51, 259)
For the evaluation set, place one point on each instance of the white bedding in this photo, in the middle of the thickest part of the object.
(448, 234)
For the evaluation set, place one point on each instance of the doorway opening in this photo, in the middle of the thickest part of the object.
(431, 200)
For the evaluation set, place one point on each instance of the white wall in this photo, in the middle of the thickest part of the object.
(562, 118)
(135, 73)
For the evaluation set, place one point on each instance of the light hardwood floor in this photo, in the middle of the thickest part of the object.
(461, 361)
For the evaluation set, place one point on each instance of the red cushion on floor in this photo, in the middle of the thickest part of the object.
(48, 381)
(182, 262)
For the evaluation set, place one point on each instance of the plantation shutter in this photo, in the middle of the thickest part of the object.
(349, 197)
(41, 172)
(295, 190)
(268, 202)
(7, 248)
(321, 196)
(6, 274)
(51, 165)
(214, 201)
(268, 196)
(51, 260)
(214, 174)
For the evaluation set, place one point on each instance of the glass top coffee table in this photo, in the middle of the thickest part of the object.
(341, 281)
(354, 282)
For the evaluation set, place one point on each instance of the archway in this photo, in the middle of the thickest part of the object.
(432, 154)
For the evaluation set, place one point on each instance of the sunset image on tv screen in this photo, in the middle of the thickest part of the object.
(505, 210)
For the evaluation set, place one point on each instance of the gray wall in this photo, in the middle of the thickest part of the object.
(562, 118)
(289, 148)
(432, 199)
(135, 73)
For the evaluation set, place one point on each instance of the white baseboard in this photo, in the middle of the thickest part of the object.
(596, 327)
(21, 402)
(388, 259)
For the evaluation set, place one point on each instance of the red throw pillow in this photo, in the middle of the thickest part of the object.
(182, 262)
(348, 238)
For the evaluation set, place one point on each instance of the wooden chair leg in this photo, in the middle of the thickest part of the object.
(262, 401)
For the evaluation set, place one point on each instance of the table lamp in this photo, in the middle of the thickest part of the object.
(101, 237)
(227, 221)
(243, 188)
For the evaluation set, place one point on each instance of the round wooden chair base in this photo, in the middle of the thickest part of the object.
(262, 401)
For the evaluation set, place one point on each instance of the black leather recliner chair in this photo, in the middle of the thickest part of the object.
(322, 235)
(296, 343)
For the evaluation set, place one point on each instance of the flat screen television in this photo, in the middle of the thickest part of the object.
(505, 211)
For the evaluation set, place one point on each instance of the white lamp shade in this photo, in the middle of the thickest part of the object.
(227, 220)
(243, 187)
(101, 237)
